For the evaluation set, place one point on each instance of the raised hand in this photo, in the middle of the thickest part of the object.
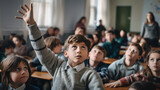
(27, 14)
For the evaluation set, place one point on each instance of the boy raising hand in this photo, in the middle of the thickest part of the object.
(71, 75)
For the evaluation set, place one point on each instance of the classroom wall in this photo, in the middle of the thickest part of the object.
(74, 10)
(151, 5)
(136, 13)
(8, 11)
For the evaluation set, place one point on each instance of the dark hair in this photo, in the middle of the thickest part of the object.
(8, 65)
(81, 19)
(147, 70)
(100, 48)
(76, 39)
(89, 36)
(110, 31)
(143, 85)
(6, 44)
(51, 42)
(138, 47)
(56, 28)
(152, 20)
(20, 38)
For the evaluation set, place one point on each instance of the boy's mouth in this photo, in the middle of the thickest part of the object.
(78, 56)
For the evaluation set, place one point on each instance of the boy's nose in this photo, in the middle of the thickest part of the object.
(78, 49)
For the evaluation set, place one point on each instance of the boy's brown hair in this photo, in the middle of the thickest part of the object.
(138, 47)
(100, 48)
(76, 39)
(51, 42)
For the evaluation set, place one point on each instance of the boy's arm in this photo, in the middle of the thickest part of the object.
(45, 56)
(112, 70)
(104, 74)
(95, 82)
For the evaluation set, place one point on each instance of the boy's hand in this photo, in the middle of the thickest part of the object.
(113, 84)
(27, 14)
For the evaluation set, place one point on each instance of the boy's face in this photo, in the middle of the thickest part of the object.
(76, 53)
(96, 55)
(79, 31)
(109, 37)
(57, 49)
(16, 41)
(19, 75)
(132, 54)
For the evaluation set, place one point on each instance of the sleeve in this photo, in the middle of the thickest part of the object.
(104, 74)
(143, 31)
(95, 82)
(112, 70)
(115, 53)
(45, 56)
(130, 79)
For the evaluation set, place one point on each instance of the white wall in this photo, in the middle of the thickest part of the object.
(74, 10)
(8, 11)
(151, 5)
(136, 13)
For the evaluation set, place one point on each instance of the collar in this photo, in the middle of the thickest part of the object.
(22, 87)
(77, 68)
(134, 66)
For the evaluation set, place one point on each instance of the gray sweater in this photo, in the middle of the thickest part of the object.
(64, 77)
(150, 31)
(118, 69)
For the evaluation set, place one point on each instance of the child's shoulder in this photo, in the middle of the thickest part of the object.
(31, 87)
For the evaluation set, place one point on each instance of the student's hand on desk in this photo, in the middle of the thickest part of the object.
(113, 84)
(27, 14)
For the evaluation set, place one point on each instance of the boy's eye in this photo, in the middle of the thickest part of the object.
(99, 53)
(134, 51)
(25, 68)
(17, 69)
(83, 47)
(74, 47)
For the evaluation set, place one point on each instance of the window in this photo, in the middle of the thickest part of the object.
(43, 12)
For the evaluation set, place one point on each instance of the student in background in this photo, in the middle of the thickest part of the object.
(54, 44)
(124, 40)
(6, 49)
(90, 38)
(96, 56)
(49, 32)
(146, 49)
(142, 85)
(66, 75)
(100, 28)
(111, 46)
(151, 30)
(151, 72)
(16, 74)
(80, 30)
(81, 23)
(96, 38)
(128, 64)
(19, 49)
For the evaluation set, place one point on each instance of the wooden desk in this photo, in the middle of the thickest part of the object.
(41, 75)
(109, 60)
(118, 88)
(155, 48)
(121, 52)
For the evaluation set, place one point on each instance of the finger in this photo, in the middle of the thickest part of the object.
(20, 12)
(23, 9)
(31, 6)
(18, 17)
(27, 7)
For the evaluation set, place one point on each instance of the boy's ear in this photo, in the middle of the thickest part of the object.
(66, 53)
